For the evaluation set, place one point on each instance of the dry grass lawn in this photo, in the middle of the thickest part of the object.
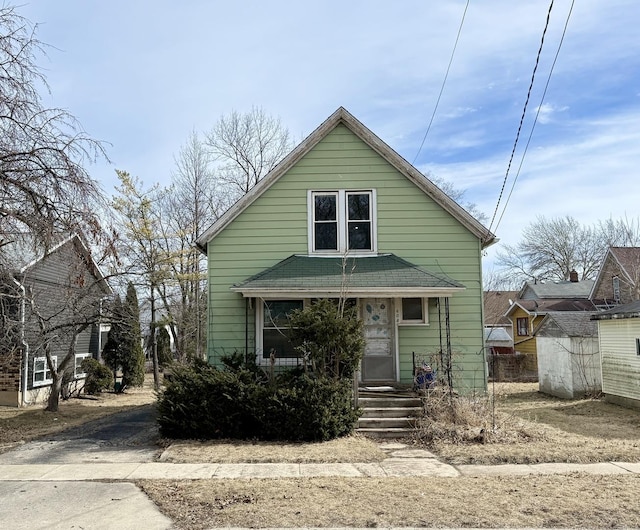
(531, 427)
(349, 449)
(535, 428)
(536, 501)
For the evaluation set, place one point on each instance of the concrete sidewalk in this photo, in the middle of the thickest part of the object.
(106, 499)
(391, 467)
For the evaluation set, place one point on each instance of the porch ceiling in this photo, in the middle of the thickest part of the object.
(384, 275)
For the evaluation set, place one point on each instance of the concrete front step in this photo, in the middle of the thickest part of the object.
(392, 402)
(388, 414)
(386, 423)
(391, 412)
(386, 432)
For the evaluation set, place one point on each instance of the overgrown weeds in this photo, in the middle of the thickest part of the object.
(450, 418)
(517, 424)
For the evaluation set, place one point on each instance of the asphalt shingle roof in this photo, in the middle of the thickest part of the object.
(574, 323)
(631, 310)
(326, 273)
(564, 289)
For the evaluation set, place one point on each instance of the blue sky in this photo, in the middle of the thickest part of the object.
(142, 75)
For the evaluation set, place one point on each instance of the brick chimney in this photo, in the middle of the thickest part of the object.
(573, 276)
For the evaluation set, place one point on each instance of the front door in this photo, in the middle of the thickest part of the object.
(379, 361)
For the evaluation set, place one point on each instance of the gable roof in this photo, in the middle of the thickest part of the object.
(571, 323)
(626, 258)
(496, 304)
(382, 275)
(83, 251)
(343, 117)
(542, 307)
(557, 290)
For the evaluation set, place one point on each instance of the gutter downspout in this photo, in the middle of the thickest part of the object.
(25, 370)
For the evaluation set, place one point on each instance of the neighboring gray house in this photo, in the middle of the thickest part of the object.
(568, 354)
(618, 280)
(619, 336)
(62, 291)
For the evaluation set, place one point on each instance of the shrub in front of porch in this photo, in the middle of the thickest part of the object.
(204, 402)
(311, 402)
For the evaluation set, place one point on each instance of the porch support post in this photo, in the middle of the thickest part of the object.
(448, 330)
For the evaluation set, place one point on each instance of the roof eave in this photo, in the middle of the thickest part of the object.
(370, 292)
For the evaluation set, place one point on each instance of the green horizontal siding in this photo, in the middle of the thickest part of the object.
(409, 224)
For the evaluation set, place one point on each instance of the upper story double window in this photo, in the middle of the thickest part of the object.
(342, 221)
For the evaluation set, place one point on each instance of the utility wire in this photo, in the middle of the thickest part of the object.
(535, 120)
(444, 82)
(524, 112)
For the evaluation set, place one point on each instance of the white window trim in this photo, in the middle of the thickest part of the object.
(76, 373)
(260, 359)
(45, 381)
(615, 281)
(425, 312)
(341, 212)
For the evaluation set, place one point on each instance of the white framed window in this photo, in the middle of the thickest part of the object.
(522, 326)
(78, 373)
(342, 221)
(41, 373)
(616, 289)
(273, 328)
(412, 311)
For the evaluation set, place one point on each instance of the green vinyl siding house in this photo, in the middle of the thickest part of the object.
(343, 215)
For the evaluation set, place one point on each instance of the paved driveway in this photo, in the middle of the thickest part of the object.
(124, 437)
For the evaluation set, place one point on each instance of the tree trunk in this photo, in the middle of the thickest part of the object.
(154, 342)
(53, 401)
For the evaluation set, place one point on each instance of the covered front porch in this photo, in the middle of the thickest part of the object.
(404, 309)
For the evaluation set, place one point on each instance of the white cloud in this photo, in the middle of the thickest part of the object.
(142, 76)
(545, 112)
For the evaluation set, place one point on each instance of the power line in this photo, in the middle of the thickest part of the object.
(444, 82)
(535, 120)
(524, 112)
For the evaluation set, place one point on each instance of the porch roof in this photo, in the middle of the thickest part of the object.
(383, 275)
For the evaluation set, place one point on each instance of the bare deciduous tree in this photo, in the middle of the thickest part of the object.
(44, 187)
(457, 195)
(247, 146)
(551, 248)
(194, 200)
(139, 244)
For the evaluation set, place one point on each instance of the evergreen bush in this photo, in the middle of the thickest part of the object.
(98, 378)
(240, 400)
(202, 401)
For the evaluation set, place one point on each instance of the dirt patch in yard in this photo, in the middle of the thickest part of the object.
(534, 501)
